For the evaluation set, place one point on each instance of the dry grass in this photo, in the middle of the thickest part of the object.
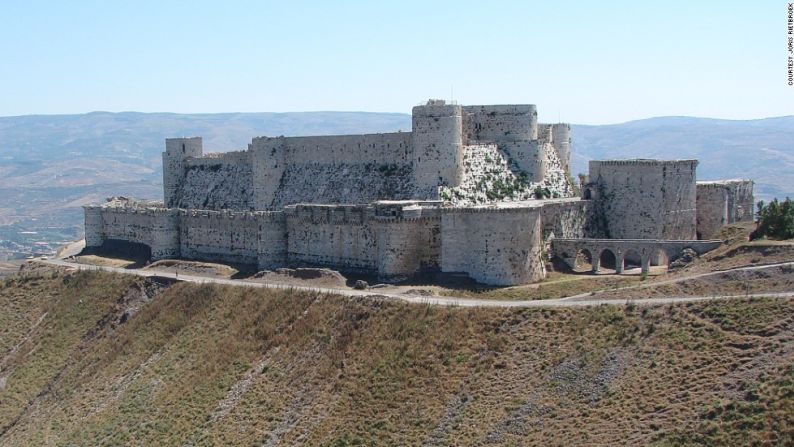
(104, 261)
(556, 285)
(207, 365)
(208, 269)
(738, 251)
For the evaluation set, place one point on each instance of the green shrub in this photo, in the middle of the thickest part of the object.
(775, 220)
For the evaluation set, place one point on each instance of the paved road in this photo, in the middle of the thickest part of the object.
(572, 301)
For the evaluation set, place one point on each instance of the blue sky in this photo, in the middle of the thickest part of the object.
(583, 62)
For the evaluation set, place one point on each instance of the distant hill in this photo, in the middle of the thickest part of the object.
(52, 164)
(762, 150)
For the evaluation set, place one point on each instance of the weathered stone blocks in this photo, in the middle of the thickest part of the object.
(645, 199)
(493, 246)
(723, 202)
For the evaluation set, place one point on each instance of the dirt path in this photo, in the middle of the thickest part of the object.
(570, 301)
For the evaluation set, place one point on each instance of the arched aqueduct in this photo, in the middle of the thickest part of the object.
(619, 252)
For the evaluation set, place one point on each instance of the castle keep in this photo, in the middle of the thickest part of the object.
(478, 190)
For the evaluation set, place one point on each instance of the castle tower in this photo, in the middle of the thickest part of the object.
(268, 162)
(646, 199)
(438, 147)
(93, 226)
(176, 151)
(561, 140)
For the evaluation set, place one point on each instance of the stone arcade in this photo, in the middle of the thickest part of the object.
(478, 190)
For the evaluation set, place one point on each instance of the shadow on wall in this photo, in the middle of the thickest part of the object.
(137, 253)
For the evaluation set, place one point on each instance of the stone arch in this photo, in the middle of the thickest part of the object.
(659, 256)
(607, 259)
(583, 260)
(632, 258)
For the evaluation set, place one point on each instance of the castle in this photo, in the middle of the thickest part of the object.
(484, 191)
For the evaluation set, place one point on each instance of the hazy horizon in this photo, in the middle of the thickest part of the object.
(384, 113)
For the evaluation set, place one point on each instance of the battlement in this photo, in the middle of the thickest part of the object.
(723, 183)
(519, 207)
(325, 214)
(184, 147)
(642, 162)
(219, 157)
(260, 216)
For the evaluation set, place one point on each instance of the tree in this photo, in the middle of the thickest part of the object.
(775, 220)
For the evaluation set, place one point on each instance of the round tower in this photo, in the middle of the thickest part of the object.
(176, 151)
(561, 140)
(438, 147)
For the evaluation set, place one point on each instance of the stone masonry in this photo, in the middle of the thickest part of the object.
(475, 190)
(721, 203)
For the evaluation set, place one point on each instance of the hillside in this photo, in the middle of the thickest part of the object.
(51, 165)
(95, 358)
(762, 150)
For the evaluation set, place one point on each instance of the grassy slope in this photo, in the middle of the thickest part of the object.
(214, 365)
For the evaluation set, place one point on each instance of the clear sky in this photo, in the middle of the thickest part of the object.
(579, 61)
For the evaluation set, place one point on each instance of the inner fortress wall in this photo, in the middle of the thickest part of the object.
(380, 148)
(569, 218)
(500, 123)
(278, 171)
(645, 199)
(217, 181)
(330, 169)
(493, 246)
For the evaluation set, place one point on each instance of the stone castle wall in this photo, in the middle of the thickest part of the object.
(256, 238)
(721, 203)
(645, 199)
(409, 245)
(393, 240)
(570, 218)
(328, 236)
(157, 228)
(493, 246)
